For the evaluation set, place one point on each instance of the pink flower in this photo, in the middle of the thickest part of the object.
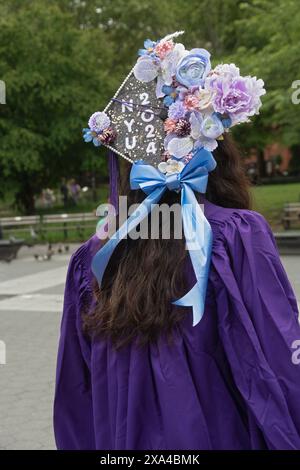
(163, 48)
(170, 125)
(191, 102)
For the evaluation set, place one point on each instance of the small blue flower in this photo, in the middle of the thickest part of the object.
(148, 48)
(90, 136)
(171, 95)
(226, 120)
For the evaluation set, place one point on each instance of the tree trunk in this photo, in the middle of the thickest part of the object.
(25, 198)
(261, 165)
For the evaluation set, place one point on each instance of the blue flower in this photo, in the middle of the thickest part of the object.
(193, 68)
(226, 120)
(90, 136)
(171, 95)
(149, 48)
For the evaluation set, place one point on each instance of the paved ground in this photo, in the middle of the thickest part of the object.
(31, 294)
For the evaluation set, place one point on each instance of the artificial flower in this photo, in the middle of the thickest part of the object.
(169, 125)
(191, 101)
(195, 98)
(99, 121)
(179, 147)
(212, 127)
(193, 68)
(170, 94)
(145, 70)
(182, 128)
(169, 63)
(234, 95)
(177, 110)
(225, 119)
(170, 166)
(196, 119)
(163, 48)
(197, 127)
(204, 99)
(227, 71)
(208, 144)
(90, 136)
(149, 48)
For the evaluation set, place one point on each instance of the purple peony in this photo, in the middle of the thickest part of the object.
(236, 96)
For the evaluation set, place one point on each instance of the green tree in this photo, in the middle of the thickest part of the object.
(55, 74)
(269, 37)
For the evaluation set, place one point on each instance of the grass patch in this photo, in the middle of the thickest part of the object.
(270, 199)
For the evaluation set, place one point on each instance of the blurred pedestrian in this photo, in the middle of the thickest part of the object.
(75, 190)
(64, 192)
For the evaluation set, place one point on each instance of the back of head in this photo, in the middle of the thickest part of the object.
(145, 275)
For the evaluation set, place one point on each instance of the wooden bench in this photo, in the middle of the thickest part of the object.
(291, 214)
(19, 222)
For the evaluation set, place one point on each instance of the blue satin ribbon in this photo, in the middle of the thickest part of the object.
(197, 231)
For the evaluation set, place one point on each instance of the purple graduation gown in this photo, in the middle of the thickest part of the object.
(228, 383)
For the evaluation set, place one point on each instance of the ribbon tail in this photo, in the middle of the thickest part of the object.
(102, 257)
(193, 298)
(198, 235)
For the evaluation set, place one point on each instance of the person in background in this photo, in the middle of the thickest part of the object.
(75, 190)
(64, 192)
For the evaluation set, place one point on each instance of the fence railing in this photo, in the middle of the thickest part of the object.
(39, 225)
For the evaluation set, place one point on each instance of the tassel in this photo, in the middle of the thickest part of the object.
(113, 168)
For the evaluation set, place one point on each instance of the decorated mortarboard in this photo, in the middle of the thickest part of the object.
(166, 118)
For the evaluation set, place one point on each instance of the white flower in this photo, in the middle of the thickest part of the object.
(170, 167)
(180, 146)
(205, 99)
(145, 70)
(196, 120)
(169, 63)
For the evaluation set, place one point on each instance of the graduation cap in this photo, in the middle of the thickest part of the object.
(132, 123)
(137, 116)
(171, 104)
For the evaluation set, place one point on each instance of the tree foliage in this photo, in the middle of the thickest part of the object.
(62, 60)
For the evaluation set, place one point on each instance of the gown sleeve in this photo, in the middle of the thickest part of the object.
(258, 324)
(73, 408)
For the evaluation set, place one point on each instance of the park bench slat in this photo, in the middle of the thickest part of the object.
(59, 222)
(291, 213)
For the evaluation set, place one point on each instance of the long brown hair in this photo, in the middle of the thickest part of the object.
(145, 275)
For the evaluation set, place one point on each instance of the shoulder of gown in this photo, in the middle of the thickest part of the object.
(258, 323)
(243, 242)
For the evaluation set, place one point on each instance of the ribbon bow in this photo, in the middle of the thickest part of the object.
(197, 231)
